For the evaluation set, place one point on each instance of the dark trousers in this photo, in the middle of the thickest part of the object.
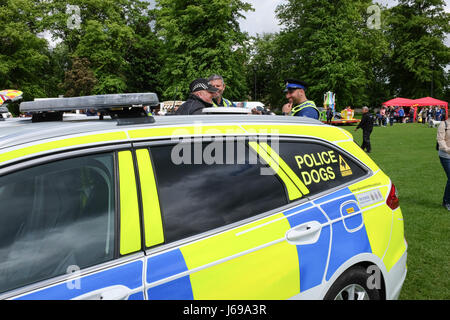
(366, 140)
(329, 118)
(446, 165)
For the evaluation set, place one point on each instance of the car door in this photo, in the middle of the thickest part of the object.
(327, 172)
(70, 227)
(222, 221)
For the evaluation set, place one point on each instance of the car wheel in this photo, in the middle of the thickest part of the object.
(352, 285)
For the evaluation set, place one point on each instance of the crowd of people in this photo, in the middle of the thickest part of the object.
(400, 115)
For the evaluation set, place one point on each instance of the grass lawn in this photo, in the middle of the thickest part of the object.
(407, 154)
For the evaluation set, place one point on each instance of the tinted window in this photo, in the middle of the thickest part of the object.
(199, 197)
(54, 216)
(318, 166)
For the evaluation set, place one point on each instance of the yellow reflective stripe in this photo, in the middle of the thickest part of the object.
(329, 133)
(293, 192)
(153, 227)
(285, 168)
(356, 151)
(59, 144)
(130, 230)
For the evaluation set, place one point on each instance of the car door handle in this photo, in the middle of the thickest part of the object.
(306, 233)
(109, 293)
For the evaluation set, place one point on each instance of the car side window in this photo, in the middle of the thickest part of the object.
(197, 196)
(318, 166)
(55, 216)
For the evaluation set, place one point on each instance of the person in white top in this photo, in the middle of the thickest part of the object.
(443, 140)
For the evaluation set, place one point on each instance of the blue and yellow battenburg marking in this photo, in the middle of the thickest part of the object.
(128, 275)
(234, 263)
(225, 265)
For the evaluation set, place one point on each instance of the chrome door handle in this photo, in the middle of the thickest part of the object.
(306, 233)
(109, 293)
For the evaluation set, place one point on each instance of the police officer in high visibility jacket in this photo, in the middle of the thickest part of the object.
(302, 107)
(219, 101)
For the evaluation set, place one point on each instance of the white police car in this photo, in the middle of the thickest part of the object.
(197, 207)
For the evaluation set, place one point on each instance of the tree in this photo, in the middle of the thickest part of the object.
(330, 46)
(79, 80)
(417, 31)
(114, 35)
(200, 38)
(267, 68)
(24, 57)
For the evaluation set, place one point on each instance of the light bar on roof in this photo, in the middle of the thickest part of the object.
(100, 102)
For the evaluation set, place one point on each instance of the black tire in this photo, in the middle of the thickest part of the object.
(353, 280)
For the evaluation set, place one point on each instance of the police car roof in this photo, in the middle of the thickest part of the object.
(18, 131)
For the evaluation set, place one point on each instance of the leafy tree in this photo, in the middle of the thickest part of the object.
(267, 68)
(417, 31)
(200, 38)
(330, 46)
(24, 57)
(80, 79)
(114, 35)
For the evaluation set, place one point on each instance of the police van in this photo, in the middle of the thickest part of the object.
(208, 207)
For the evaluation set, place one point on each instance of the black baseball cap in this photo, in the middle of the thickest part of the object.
(202, 84)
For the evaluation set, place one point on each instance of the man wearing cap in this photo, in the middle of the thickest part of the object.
(200, 97)
(219, 101)
(295, 90)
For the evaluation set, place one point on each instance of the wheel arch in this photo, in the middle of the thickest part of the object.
(364, 260)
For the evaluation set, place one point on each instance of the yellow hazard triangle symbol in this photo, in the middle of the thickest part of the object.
(345, 168)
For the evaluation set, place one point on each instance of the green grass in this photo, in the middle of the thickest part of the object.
(407, 154)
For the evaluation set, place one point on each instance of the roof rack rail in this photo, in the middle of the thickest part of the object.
(118, 106)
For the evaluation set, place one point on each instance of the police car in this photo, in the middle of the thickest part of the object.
(191, 207)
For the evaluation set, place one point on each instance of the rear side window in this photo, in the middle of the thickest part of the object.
(318, 166)
(197, 195)
(56, 218)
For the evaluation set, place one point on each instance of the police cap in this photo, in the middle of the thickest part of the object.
(201, 84)
(292, 84)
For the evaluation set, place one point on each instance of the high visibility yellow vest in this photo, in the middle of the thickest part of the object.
(226, 103)
(302, 106)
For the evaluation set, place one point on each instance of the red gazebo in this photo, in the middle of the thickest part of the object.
(423, 102)
(399, 102)
(428, 101)
(402, 102)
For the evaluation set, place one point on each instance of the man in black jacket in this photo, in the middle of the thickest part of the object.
(366, 125)
(201, 97)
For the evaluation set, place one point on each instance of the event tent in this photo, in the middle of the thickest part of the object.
(423, 102)
(428, 101)
(399, 102)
